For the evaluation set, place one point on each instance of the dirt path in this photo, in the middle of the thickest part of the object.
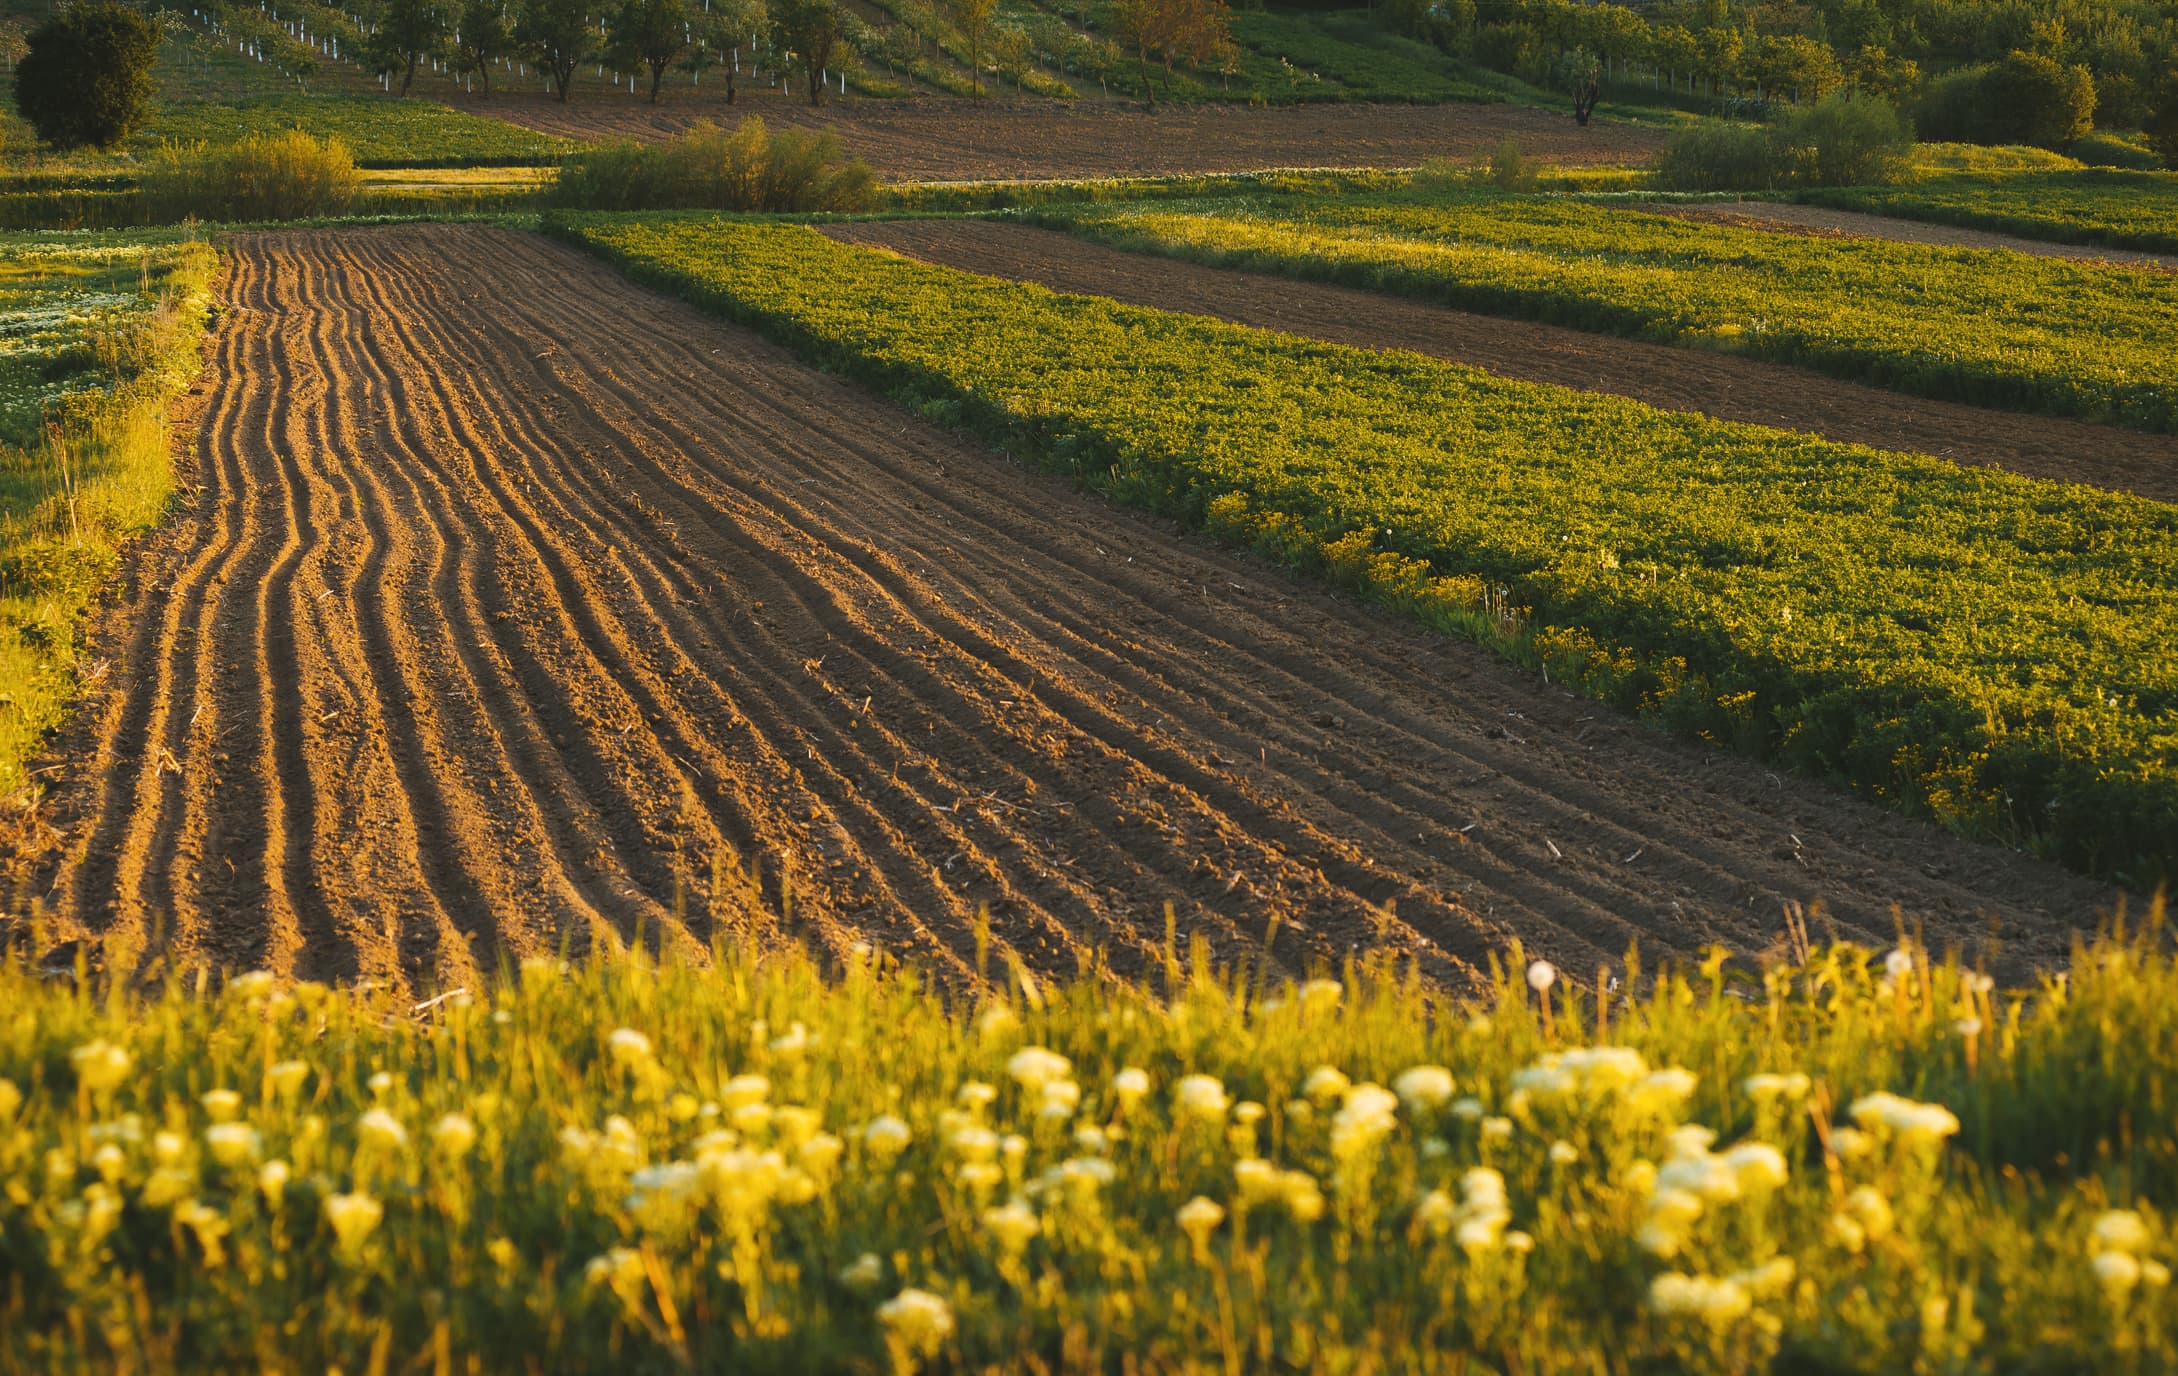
(502, 613)
(1855, 224)
(1681, 379)
(950, 140)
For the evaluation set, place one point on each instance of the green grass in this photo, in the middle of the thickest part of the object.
(1992, 649)
(1992, 328)
(380, 132)
(746, 1164)
(2103, 207)
(1367, 62)
(97, 333)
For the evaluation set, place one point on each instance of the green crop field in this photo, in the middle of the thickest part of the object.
(1994, 649)
(381, 133)
(764, 1165)
(1992, 328)
(2098, 206)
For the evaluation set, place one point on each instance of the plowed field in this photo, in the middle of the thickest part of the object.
(950, 140)
(515, 601)
(1714, 384)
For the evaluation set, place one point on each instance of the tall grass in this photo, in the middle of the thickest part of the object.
(708, 168)
(1860, 1161)
(289, 175)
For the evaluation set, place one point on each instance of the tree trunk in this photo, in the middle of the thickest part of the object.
(409, 75)
(657, 74)
(730, 81)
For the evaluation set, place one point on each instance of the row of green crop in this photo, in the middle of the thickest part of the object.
(1998, 651)
(97, 334)
(1992, 328)
(2097, 206)
(381, 133)
(1854, 1164)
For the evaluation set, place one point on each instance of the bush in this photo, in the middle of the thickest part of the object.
(2163, 130)
(2026, 98)
(86, 79)
(1844, 139)
(284, 176)
(710, 169)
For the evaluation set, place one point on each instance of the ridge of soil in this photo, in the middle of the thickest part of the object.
(1715, 384)
(952, 140)
(503, 613)
(1825, 222)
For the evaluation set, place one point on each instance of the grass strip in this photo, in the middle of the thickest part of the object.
(1982, 326)
(98, 334)
(1994, 650)
(2099, 207)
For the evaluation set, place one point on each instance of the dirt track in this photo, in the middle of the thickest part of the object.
(947, 140)
(1681, 379)
(502, 612)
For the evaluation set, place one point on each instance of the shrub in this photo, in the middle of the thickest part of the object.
(2026, 98)
(1845, 139)
(86, 79)
(2163, 129)
(710, 169)
(1719, 157)
(283, 176)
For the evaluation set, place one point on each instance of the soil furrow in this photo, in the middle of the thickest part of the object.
(563, 601)
(1713, 384)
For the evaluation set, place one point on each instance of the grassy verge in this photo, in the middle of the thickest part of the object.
(1851, 1164)
(1987, 327)
(2098, 206)
(96, 337)
(1993, 649)
(966, 197)
(380, 132)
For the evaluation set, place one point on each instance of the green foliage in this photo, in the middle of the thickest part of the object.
(86, 77)
(381, 133)
(2163, 129)
(558, 36)
(2026, 98)
(484, 35)
(1844, 139)
(286, 176)
(1973, 325)
(754, 1164)
(98, 333)
(707, 168)
(1715, 155)
(2091, 206)
(1362, 62)
(1993, 649)
(648, 35)
(407, 32)
(809, 30)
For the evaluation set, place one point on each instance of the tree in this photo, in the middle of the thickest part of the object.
(86, 76)
(558, 36)
(973, 19)
(2163, 129)
(809, 29)
(1142, 25)
(408, 31)
(648, 33)
(1011, 53)
(730, 26)
(1580, 75)
(485, 36)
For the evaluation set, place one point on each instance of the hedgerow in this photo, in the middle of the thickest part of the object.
(1973, 325)
(1995, 650)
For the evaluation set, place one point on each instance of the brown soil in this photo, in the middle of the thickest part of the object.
(1854, 224)
(500, 611)
(1714, 384)
(949, 140)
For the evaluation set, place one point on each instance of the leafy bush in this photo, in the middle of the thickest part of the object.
(2129, 153)
(1844, 139)
(2163, 129)
(1856, 613)
(707, 168)
(757, 1164)
(2026, 98)
(285, 176)
(86, 79)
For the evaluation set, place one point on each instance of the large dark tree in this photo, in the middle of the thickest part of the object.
(648, 33)
(86, 77)
(408, 32)
(559, 36)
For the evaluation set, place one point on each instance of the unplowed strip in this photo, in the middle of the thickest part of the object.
(1856, 224)
(515, 597)
(1681, 379)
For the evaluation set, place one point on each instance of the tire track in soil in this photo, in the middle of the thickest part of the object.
(1677, 379)
(506, 613)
